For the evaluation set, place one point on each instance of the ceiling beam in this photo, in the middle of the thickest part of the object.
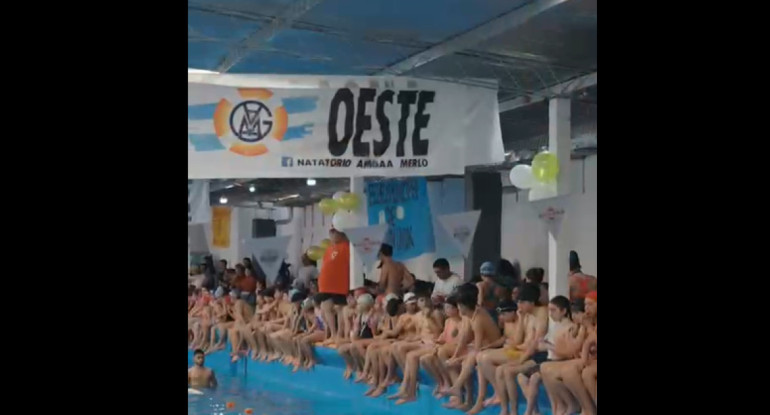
(564, 88)
(264, 34)
(473, 37)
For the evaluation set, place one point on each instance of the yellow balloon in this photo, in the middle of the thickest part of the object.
(545, 167)
(315, 253)
(325, 243)
(328, 206)
(349, 201)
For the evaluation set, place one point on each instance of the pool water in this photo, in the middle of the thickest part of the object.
(238, 391)
(271, 389)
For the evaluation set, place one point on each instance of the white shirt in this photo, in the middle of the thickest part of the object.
(304, 275)
(445, 287)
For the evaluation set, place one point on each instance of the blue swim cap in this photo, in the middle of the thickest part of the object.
(487, 268)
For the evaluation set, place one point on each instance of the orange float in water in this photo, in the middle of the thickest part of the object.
(248, 411)
(230, 405)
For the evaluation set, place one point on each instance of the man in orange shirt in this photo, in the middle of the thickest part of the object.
(334, 282)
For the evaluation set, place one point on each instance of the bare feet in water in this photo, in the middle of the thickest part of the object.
(377, 392)
(398, 395)
(348, 373)
(476, 409)
(406, 399)
(361, 378)
(454, 403)
(492, 401)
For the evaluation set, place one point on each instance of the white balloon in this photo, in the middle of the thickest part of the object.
(343, 219)
(542, 191)
(521, 176)
(338, 195)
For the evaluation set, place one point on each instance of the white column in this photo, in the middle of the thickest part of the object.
(559, 143)
(356, 268)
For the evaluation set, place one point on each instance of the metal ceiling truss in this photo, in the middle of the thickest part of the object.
(471, 38)
(264, 34)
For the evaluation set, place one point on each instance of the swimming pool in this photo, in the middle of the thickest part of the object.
(271, 389)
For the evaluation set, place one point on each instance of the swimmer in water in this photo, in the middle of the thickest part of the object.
(199, 376)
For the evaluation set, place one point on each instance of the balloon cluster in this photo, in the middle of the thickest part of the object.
(339, 206)
(544, 171)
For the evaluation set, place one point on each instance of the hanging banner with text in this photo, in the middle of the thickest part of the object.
(403, 205)
(305, 126)
(220, 226)
(461, 227)
(269, 253)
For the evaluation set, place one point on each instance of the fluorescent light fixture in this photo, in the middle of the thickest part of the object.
(294, 196)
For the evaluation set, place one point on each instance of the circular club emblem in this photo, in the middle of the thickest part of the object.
(245, 123)
(251, 121)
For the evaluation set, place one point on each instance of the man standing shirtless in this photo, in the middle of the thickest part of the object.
(395, 278)
(199, 376)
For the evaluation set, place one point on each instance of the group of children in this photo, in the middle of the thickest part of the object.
(379, 335)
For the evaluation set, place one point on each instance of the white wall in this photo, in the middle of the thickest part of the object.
(525, 237)
(240, 230)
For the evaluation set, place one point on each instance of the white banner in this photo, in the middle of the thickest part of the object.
(461, 228)
(269, 252)
(366, 241)
(304, 126)
(198, 205)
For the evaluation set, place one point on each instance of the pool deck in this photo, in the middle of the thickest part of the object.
(326, 379)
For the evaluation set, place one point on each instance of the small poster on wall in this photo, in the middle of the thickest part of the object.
(220, 226)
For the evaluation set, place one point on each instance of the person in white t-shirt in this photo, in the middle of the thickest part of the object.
(306, 273)
(446, 281)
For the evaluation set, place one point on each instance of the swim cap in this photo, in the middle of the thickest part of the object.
(365, 299)
(592, 296)
(410, 298)
(297, 296)
(487, 268)
(390, 296)
(360, 291)
(507, 306)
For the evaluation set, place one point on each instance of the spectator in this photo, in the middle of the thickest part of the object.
(579, 283)
(306, 273)
(446, 281)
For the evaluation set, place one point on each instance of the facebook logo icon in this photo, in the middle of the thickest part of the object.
(287, 161)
